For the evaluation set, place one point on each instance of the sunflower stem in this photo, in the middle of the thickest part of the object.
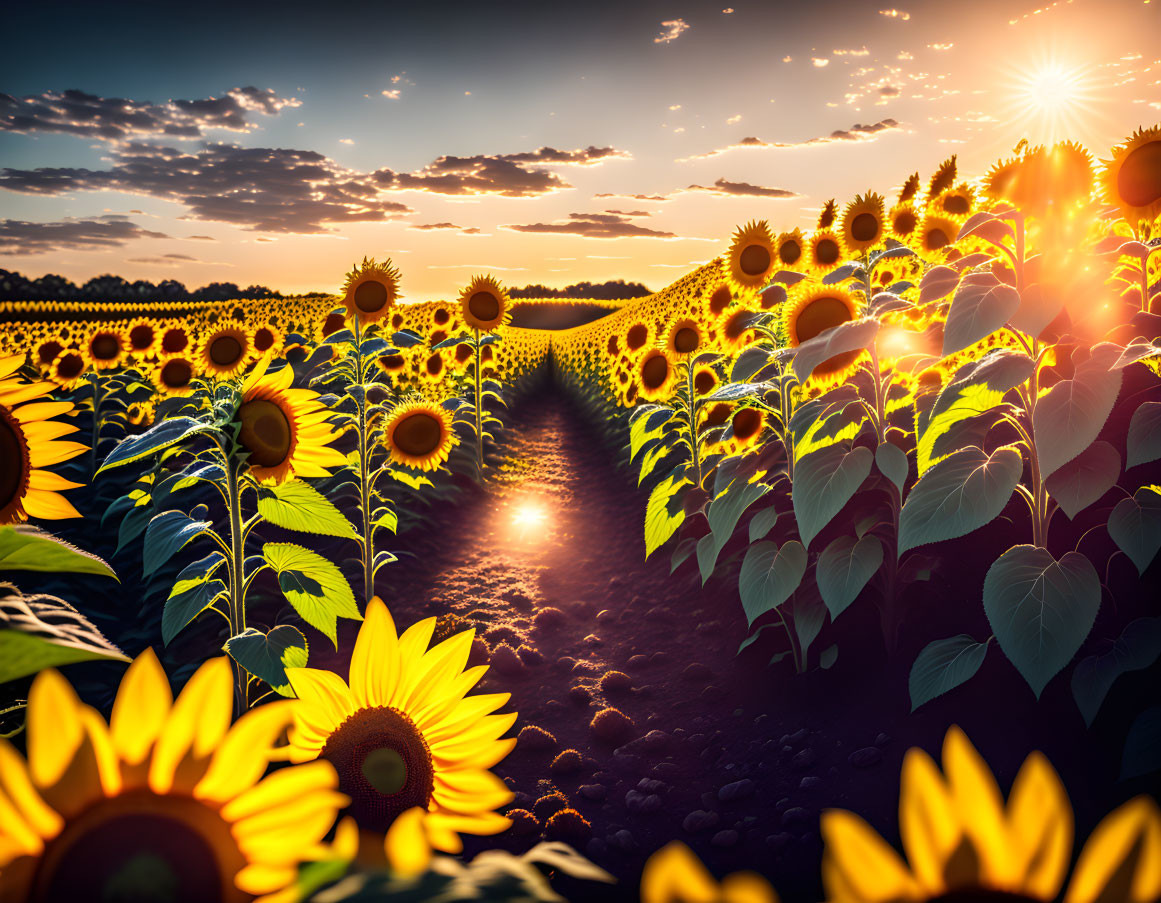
(694, 444)
(237, 616)
(479, 406)
(95, 438)
(364, 472)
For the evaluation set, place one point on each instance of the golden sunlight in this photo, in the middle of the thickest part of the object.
(1052, 99)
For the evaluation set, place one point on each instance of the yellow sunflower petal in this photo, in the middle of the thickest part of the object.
(260, 878)
(980, 807)
(245, 753)
(142, 706)
(375, 664)
(1122, 859)
(16, 784)
(408, 849)
(927, 820)
(285, 785)
(675, 875)
(55, 728)
(325, 701)
(747, 887)
(869, 868)
(1041, 826)
(196, 725)
(47, 505)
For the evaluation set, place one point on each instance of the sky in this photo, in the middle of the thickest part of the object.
(280, 143)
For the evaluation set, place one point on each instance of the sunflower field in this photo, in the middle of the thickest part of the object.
(341, 598)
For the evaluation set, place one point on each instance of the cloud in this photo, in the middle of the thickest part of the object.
(391, 94)
(296, 191)
(165, 260)
(466, 230)
(947, 45)
(594, 225)
(201, 238)
(857, 132)
(91, 234)
(671, 31)
(117, 119)
(629, 212)
(744, 189)
(895, 14)
(634, 197)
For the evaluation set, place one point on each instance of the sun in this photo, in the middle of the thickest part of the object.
(1053, 98)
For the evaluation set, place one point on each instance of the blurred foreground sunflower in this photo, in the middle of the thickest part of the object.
(751, 258)
(1043, 180)
(962, 843)
(27, 444)
(419, 434)
(371, 291)
(404, 735)
(484, 304)
(166, 802)
(284, 430)
(1132, 178)
(674, 874)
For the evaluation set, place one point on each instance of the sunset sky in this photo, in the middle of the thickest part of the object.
(278, 143)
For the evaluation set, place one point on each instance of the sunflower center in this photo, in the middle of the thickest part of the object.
(176, 374)
(265, 432)
(789, 252)
(720, 299)
(333, 323)
(905, 222)
(441, 316)
(384, 765)
(754, 259)
(704, 382)
(435, 364)
(822, 313)
(141, 336)
(685, 340)
(936, 239)
(417, 434)
(735, 326)
(827, 251)
(263, 339)
(637, 335)
(225, 350)
(484, 306)
(1139, 178)
(956, 205)
(70, 365)
(865, 227)
(174, 340)
(655, 372)
(13, 460)
(105, 347)
(746, 423)
(49, 350)
(370, 296)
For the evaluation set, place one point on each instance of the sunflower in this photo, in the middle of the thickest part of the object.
(963, 843)
(105, 349)
(828, 214)
(1043, 180)
(942, 180)
(638, 336)
(143, 335)
(174, 375)
(957, 202)
(26, 446)
(790, 247)
(484, 304)
(46, 351)
(910, 188)
(139, 413)
(68, 369)
(936, 233)
(284, 430)
(751, 255)
(371, 291)
(225, 351)
(735, 331)
(863, 223)
(825, 251)
(902, 219)
(334, 321)
(747, 426)
(705, 379)
(267, 338)
(419, 434)
(814, 311)
(720, 299)
(391, 364)
(674, 874)
(403, 734)
(174, 339)
(655, 375)
(166, 796)
(433, 367)
(1132, 178)
(684, 337)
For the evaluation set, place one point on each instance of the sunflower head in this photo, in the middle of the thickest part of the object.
(903, 219)
(747, 425)
(684, 337)
(638, 336)
(46, 351)
(1131, 180)
(419, 434)
(910, 188)
(267, 338)
(790, 248)
(943, 179)
(105, 349)
(143, 336)
(935, 233)
(751, 258)
(68, 369)
(484, 304)
(174, 339)
(828, 214)
(1043, 180)
(705, 379)
(812, 312)
(863, 223)
(735, 331)
(825, 251)
(174, 375)
(656, 375)
(225, 351)
(370, 291)
(958, 202)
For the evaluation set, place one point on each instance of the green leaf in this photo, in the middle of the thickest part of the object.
(1085, 478)
(769, 576)
(295, 505)
(961, 493)
(1135, 526)
(762, 523)
(809, 615)
(723, 515)
(1136, 648)
(651, 459)
(828, 657)
(268, 655)
(824, 482)
(660, 524)
(167, 534)
(853, 335)
(976, 311)
(892, 463)
(1144, 440)
(1041, 609)
(188, 599)
(167, 432)
(938, 282)
(1070, 416)
(314, 586)
(27, 548)
(1142, 754)
(39, 631)
(414, 481)
(843, 569)
(943, 665)
(647, 427)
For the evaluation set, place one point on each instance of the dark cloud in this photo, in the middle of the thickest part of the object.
(165, 260)
(857, 132)
(93, 234)
(201, 238)
(466, 230)
(594, 225)
(634, 197)
(630, 212)
(888, 91)
(744, 189)
(117, 119)
(284, 190)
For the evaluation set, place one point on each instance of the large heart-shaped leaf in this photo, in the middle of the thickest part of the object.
(1085, 478)
(1136, 648)
(1041, 609)
(851, 336)
(27, 548)
(40, 631)
(1144, 440)
(961, 493)
(943, 665)
(165, 433)
(809, 614)
(268, 655)
(166, 535)
(769, 575)
(843, 569)
(1135, 526)
(723, 515)
(1070, 416)
(314, 586)
(976, 311)
(824, 482)
(296, 505)
(661, 521)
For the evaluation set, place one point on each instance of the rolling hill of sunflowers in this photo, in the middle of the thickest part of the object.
(941, 408)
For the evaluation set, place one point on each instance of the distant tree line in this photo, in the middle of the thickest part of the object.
(115, 290)
(600, 291)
